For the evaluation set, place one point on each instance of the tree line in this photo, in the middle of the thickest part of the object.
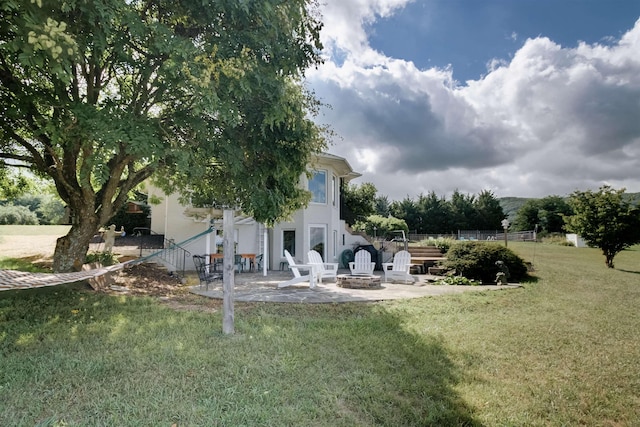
(432, 214)
(428, 214)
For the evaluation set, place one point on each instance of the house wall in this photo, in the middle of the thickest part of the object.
(169, 218)
(325, 215)
(576, 240)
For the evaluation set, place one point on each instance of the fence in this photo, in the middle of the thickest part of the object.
(522, 236)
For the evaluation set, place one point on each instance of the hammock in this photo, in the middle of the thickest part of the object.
(12, 279)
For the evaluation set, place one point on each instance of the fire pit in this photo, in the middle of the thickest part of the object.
(359, 281)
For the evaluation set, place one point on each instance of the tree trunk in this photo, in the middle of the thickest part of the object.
(71, 250)
(228, 278)
(609, 259)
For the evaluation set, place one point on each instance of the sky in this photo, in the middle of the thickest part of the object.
(523, 98)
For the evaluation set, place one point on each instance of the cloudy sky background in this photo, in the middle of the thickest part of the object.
(525, 98)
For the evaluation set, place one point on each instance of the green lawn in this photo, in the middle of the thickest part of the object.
(562, 350)
(34, 230)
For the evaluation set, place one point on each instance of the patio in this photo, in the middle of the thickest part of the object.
(254, 287)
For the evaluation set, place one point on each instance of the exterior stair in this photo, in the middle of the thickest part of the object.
(426, 256)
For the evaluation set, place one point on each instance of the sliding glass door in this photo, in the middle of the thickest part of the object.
(318, 239)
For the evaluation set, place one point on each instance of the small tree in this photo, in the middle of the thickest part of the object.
(384, 226)
(604, 220)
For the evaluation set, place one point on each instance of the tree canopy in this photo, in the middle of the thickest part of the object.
(605, 220)
(548, 213)
(359, 202)
(204, 95)
(432, 214)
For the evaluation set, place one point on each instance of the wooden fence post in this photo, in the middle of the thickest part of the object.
(228, 279)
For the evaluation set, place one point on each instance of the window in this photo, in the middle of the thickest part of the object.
(289, 241)
(318, 187)
(334, 190)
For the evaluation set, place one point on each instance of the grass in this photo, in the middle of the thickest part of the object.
(34, 230)
(559, 351)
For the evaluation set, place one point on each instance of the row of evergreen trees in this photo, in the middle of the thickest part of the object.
(433, 214)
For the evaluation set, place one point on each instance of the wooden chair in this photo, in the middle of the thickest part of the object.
(203, 269)
(399, 268)
(322, 269)
(362, 264)
(297, 277)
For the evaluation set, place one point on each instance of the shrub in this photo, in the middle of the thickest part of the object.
(17, 215)
(384, 226)
(442, 243)
(48, 208)
(457, 281)
(477, 260)
(557, 239)
(104, 258)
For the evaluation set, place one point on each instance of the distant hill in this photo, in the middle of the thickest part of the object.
(511, 205)
(634, 198)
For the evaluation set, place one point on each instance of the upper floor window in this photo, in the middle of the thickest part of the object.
(318, 187)
(334, 190)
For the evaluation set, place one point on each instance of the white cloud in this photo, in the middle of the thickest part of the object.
(550, 121)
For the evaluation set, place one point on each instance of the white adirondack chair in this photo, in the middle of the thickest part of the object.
(322, 269)
(399, 268)
(362, 264)
(297, 277)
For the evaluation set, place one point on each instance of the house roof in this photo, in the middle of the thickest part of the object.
(341, 166)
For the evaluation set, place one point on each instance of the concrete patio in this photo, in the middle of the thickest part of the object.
(254, 287)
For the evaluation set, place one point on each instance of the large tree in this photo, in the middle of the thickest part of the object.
(359, 202)
(489, 213)
(99, 96)
(605, 220)
(435, 212)
(548, 213)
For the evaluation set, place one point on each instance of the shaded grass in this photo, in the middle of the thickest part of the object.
(561, 351)
(23, 264)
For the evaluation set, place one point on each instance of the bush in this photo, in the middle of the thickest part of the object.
(104, 258)
(17, 215)
(384, 226)
(477, 260)
(442, 243)
(557, 239)
(457, 281)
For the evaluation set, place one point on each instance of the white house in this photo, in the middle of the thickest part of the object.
(319, 226)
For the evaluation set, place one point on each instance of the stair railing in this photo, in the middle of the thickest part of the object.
(173, 253)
